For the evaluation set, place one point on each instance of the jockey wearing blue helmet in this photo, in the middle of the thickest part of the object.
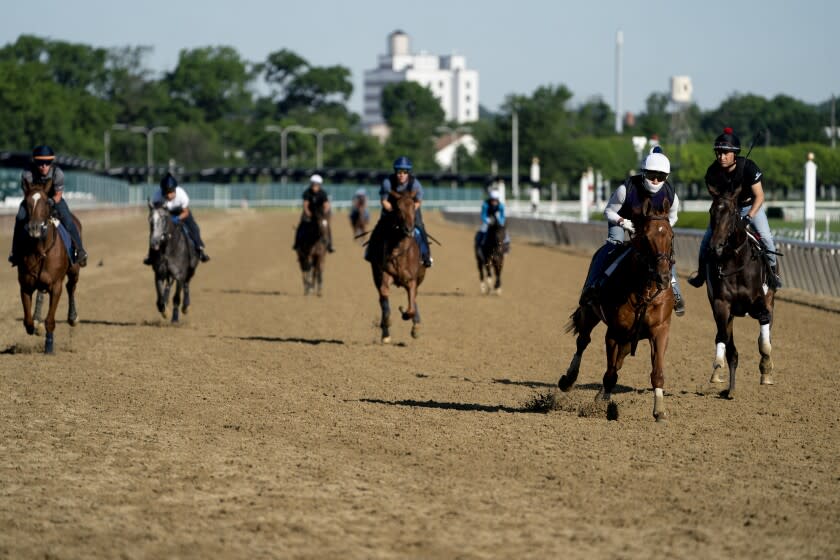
(42, 170)
(401, 181)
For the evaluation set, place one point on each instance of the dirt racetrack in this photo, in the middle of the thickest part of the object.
(269, 425)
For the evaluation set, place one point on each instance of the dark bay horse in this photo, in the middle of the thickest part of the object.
(174, 260)
(490, 257)
(44, 263)
(636, 304)
(359, 220)
(739, 283)
(312, 251)
(400, 263)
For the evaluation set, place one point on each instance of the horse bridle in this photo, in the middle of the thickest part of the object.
(658, 256)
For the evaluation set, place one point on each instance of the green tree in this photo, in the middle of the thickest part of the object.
(413, 115)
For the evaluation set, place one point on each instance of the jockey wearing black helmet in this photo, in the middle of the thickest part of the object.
(42, 170)
(176, 200)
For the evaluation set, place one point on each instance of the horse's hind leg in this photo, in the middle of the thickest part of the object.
(583, 321)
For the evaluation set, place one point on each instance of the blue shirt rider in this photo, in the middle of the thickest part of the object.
(727, 173)
(494, 208)
(177, 202)
(401, 181)
(651, 184)
(43, 169)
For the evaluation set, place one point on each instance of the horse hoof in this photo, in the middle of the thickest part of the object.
(483, 289)
(728, 394)
(39, 329)
(498, 292)
(565, 384)
(716, 377)
(602, 396)
(661, 416)
(415, 332)
(386, 340)
(767, 379)
(163, 314)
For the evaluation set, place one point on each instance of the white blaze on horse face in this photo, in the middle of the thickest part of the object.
(720, 351)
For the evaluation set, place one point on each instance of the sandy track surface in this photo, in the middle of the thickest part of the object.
(269, 425)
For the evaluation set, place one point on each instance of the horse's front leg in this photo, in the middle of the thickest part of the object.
(186, 297)
(28, 321)
(49, 322)
(411, 292)
(72, 281)
(616, 352)
(176, 302)
(162, 288)
(318, 280)
(765, 366)
(658, 345)
(385, 306)
(497, 268)
(723, 323)
(482, 286)
(583, 321)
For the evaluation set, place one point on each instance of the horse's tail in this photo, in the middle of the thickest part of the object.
(573, 325)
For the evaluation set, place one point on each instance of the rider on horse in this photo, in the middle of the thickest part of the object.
(401, 181)
(491, 208)
(314, 199)
(41, 171)
(726, 174)
(176, 201)
(627, 199)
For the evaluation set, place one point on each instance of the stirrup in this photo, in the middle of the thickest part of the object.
(81, 257)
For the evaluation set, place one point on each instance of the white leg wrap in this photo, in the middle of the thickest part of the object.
(658, 393)
(765, 333)
(720, 351)
(764, 340)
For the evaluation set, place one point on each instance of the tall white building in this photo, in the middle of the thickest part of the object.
(447, 77)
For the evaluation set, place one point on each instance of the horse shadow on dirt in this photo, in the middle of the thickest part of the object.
(530, 384)
(253, 292)
(443, 405)
(293, 339)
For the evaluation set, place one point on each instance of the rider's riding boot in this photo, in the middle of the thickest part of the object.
(776, 277)
(202, 256)
(698, 278)
(148, 260)
(81, 256)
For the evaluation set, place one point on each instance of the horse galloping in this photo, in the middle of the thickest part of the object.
(636, 304)
(400, 263)
(45, 262)
(739, 283)
(174, 260)
(490, 257)
(359, 220)
(312, 251)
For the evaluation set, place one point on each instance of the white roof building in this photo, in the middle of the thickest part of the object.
(447, 77)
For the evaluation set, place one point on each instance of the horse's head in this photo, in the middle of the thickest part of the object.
(38, 208)
(654, 241)
(403, 212)
(725, 221)
(159, 225)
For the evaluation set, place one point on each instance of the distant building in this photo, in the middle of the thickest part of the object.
(447, 77)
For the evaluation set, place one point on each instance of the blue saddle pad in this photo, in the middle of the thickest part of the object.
(68, 243)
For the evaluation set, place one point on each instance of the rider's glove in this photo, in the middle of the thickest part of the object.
(627, 225)
(747, 221)
(176, 220)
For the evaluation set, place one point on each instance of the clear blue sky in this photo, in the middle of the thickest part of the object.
(765, 47)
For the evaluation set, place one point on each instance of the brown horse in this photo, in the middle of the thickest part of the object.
(400, 263)
(45, 262)
(312, 251)
(636, 304)
(359, 220)
(739, 283)
(490, 257)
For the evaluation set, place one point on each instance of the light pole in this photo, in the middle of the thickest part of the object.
(319, 145)
(284, 132)
(150, 133)
(453, 133)
(107, 137)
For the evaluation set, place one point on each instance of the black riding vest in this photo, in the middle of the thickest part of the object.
(637, 194)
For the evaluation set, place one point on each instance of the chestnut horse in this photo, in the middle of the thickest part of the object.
(491, 258)
(312, 251)
(400, 263)
(738, 275)
(44, 262)
(174, 260)
(636, 304)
